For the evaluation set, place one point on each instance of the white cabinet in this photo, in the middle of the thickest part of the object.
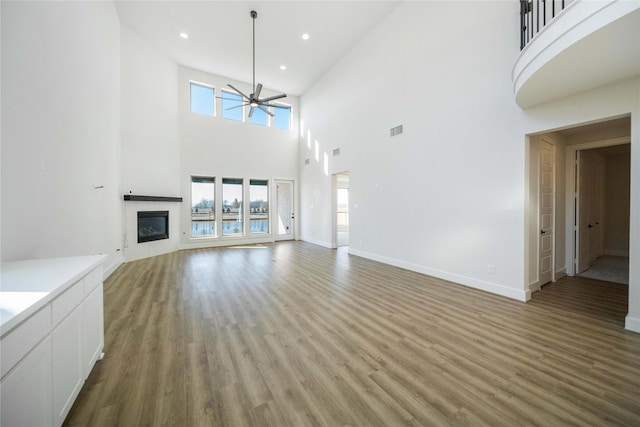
(68, 364)
(26, 392)
(52, 333)
(92, 330)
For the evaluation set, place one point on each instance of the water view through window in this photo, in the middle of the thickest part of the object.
(203, 218)
(232, 215)
(259, 206)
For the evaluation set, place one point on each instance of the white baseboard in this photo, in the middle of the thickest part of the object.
(617, 252)
(534, 286)
(561, 273)
(632, 324)
(494, 288)
(317, 242)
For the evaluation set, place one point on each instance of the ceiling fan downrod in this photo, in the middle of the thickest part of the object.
(254, 15)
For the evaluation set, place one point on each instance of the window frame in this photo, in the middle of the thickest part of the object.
(267, 184)
(241, 205)
(281, 106)
(213, 100)
(213, 209)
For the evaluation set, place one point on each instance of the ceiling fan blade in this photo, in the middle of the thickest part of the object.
(275, 105)
(236, 106)
(271, 98)
(239, 92)
(251, 111)
(258, 89)
(265, 110)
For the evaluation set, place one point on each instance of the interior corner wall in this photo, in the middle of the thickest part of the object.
(632, 321)
(616, 234)
(217, 147)
(150, 140)
(60, 130)
(446, 197)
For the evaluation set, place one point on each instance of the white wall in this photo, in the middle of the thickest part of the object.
(217, 147)
(150, 140)
(60, 130)
(616, 232)
(447, 197)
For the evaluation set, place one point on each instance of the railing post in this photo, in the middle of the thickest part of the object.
(523, 23)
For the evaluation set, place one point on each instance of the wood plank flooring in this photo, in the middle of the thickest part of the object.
(292, 334)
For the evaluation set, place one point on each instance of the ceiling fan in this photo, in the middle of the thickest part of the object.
(254, 99)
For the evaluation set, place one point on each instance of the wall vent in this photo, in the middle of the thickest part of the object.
(336, 151)
(395, 130)
(306, 162)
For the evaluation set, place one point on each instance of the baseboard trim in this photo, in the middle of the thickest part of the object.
(632, 324)
(617, 252)
(494, 288)
(534, 286)
(317, 242)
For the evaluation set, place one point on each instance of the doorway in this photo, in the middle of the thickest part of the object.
(553, 221)
(341, 195)
(602, 213)
(285, 215)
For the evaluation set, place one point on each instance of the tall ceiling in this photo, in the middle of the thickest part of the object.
(220, 35)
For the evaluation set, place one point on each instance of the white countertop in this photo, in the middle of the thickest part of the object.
(27, 286)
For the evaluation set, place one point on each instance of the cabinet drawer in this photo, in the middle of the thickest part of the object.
(15, 345)
(92, 280)
(67, 301)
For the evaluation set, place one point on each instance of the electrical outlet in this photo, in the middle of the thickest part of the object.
(491, 269)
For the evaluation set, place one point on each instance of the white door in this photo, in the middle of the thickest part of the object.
(596, 216)
(547, 206)
(285, 217)
(584, 195)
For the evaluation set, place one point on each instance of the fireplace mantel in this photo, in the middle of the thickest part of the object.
(135, 198)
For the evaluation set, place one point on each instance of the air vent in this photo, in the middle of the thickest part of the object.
(336, 151)
(306, 162)
(395, 131)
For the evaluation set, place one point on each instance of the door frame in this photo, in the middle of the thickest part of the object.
(551, 142)
(571, 169)
(334, 208)
(293, 200)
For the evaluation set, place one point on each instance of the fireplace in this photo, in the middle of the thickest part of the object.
(153, 225)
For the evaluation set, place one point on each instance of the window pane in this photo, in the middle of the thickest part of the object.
(203, 221)
(231, 106)
(202, 98)
(282, 117)
(343, 208)
(259, 117)
(259, 206)
(232, 216)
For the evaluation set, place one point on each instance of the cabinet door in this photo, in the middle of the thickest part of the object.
(92, 330)
(67, 364)
(26, 398)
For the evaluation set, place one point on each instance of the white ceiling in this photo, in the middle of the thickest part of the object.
(220, 35)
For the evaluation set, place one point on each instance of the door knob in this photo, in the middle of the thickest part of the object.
(590, 226)
(543, 232)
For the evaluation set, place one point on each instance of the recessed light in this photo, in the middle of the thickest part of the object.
(305, 36)
(184, 35)
(283, 67)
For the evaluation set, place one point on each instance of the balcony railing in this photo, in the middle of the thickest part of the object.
(535, 14)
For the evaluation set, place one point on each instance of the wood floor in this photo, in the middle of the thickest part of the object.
(295, 334)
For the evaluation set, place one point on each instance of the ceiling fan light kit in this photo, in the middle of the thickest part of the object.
(254, 100)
